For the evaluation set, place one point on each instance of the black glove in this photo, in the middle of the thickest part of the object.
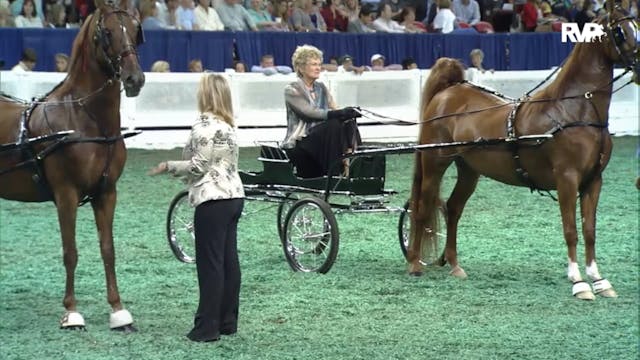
(343, 114)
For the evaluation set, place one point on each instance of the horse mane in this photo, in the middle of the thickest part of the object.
(444, 73)
(79, 48)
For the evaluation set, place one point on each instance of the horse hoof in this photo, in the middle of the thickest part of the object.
(127, 329)
(120, 319)
(603, 288)
(582, 291)
(416, 273)
(72, 320)
(458, 272)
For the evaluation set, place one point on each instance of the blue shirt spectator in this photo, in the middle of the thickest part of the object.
(235, 17)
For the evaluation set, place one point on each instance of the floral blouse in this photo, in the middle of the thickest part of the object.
(210, 162)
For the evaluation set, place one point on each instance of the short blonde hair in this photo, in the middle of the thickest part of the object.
(160, 66)
(214, 96)
(476, 52)
(303, 54)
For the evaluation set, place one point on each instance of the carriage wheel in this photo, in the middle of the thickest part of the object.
(283, 209)
(310, 236)
(404, 231)
(180, 232)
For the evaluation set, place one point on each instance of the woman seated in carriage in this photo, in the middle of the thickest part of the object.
(318, 134)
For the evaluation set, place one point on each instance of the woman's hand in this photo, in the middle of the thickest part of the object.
(159, 169)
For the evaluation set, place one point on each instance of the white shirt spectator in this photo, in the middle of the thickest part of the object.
(207, 19)
(444, 21)
(468, 13)
(388, 26)
(24, 22)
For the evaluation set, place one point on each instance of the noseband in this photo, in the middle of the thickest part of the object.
(103, 40)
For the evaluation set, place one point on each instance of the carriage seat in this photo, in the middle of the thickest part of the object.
(269, 153)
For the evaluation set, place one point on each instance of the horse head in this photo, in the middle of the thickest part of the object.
(623, 31)
(117, 33)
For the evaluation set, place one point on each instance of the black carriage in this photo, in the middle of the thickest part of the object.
(305, 218)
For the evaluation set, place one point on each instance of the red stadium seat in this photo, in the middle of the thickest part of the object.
(484, 27)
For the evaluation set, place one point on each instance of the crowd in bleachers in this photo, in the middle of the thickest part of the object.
(357, 16)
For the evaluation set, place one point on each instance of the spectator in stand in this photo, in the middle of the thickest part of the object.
(239, 66)
(477, 57)
(281, 14)
(17, 6)
(171, 15)
(235, 17)
(377, 64)
(466, 11)
(62, 62)
(306, 17)
(395, 5)
(585, 14)
(409, 64)
(529, 16)
(185, 16)
(384, 23)
(268, 67)
(160, 66)
(407, 18)
(206, 17)
(27, 61)
(345, 64)
(195, 65)
(430, 14)
(444, 22)
(351, 8)
(149, 13)
(362, 25)
(333, 15)
(28, 17)
(6, 19)
(57, 16)
(261, 17)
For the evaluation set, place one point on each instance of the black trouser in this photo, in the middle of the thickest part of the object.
(216, 224)
(315, 154)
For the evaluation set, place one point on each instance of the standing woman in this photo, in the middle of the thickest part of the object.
(210, 167)
(317, 134)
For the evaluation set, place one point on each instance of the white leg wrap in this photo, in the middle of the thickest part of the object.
(592, 272)
(71, 319)
(120, 318)
(573, 272)
(601, 285)
(582, 290)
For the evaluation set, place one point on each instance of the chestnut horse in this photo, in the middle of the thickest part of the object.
(85, 165)
(572, 111)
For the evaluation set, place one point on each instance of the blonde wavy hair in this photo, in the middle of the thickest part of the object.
(214, 96)
(302, 55)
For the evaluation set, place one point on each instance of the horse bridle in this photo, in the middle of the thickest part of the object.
(102, 40)
(615, 31)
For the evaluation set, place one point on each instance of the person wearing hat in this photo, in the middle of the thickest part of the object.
(318, 133)
(345, 64)
(362, 25)
(27, 61)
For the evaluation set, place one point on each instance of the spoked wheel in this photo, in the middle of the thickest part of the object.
(310, 236)
(283, 210)
(180, 232)
(404, 224)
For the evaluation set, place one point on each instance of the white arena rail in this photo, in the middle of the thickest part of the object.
(167, 101)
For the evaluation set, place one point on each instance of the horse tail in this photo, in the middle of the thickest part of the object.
(425, 205)
(444, 73)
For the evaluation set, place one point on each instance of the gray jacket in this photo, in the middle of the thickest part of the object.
(303, 112)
